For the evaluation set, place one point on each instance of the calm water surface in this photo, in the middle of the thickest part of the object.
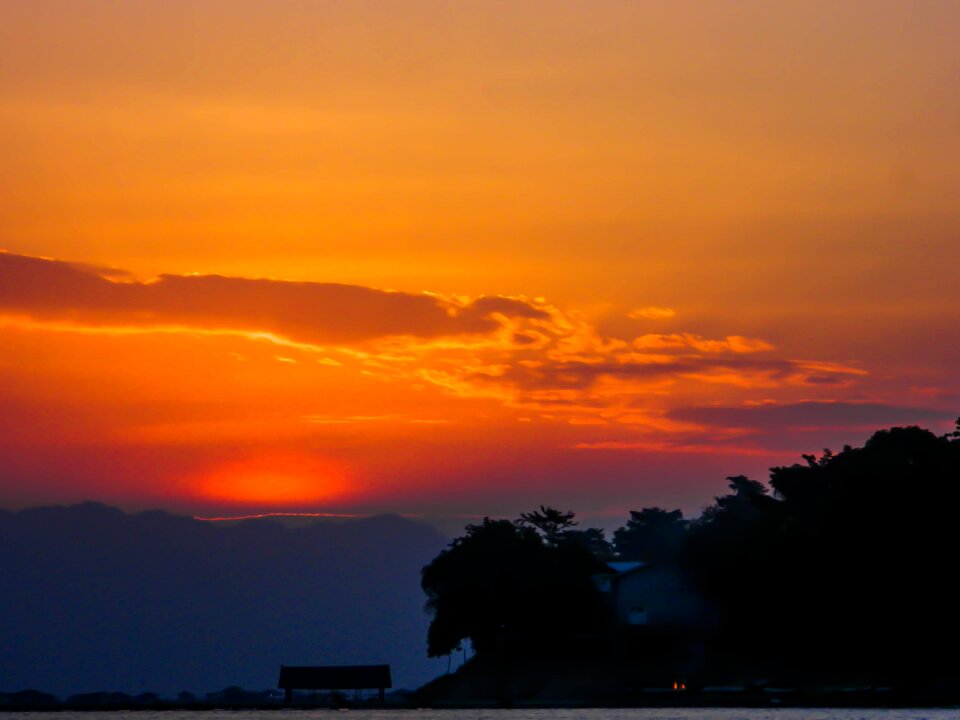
(632, 714)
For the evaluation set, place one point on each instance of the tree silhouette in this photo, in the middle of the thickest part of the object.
(501, 583)
(956, 431)
(844, 567)
(841, 570)
(591, 539)
(549, 522)
(651, 535)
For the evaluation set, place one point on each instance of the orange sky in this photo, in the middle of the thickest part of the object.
(437, 257)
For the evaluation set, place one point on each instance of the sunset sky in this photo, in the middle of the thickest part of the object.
(463, 258)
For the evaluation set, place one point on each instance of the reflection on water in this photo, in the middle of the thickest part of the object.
(598, 714)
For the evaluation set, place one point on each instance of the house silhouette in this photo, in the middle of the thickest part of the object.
(334, 677)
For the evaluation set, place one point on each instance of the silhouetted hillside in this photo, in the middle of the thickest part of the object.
(836, 574)
(96, 599)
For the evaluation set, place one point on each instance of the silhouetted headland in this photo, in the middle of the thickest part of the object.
(829, 585)
(831, 582)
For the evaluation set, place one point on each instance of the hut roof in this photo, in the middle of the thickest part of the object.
(335, 677)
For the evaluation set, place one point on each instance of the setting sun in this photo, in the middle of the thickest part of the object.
(271, 481)
(477, 253)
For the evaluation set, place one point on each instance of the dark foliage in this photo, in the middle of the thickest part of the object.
(844, 572)
(504, 584)
(592, 540)
(549, 522)
(651, 535)
(839, 571)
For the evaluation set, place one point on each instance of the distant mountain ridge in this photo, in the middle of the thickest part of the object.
(97, 599)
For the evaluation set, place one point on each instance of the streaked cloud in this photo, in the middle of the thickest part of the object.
(354, 419)
(302, 311)
(325, 369)
(809, 415)
(523, 353)
(731, 343)
(652, 313)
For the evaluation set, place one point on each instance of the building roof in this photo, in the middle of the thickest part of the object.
(335, 677)
(621, 568)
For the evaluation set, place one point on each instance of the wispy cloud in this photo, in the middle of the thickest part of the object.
(730, 343)
(308, 312)
(527, 354)
(354, 419)
(808, 415)
(652, 313)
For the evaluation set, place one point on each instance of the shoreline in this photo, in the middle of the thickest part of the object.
(692, 700)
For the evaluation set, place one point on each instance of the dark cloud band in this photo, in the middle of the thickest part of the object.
(303, 311)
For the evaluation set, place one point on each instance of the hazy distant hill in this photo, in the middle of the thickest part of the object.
(93, 598)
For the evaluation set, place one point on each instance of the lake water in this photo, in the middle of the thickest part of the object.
(627, 714)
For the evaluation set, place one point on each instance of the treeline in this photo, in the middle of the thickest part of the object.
(29, 699)
(839, 569)
(233, 697)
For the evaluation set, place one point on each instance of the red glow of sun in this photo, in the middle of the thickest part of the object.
(271, 481)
